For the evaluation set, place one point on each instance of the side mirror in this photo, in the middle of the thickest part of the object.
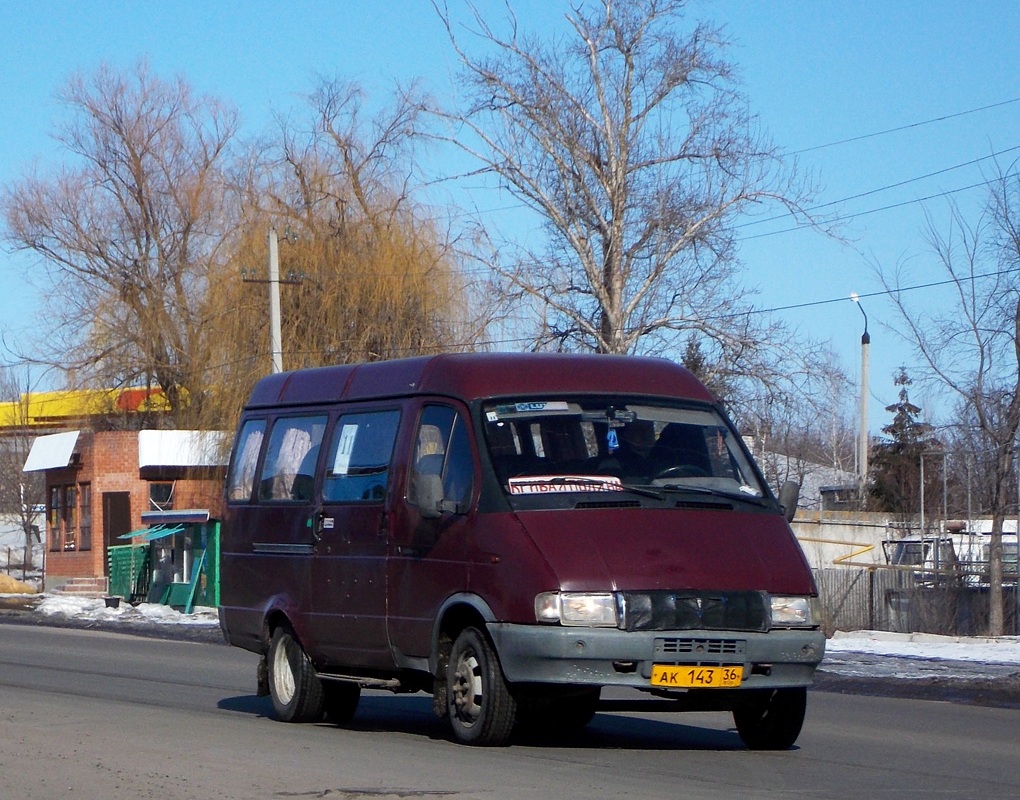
(789, 494)
(429, 495)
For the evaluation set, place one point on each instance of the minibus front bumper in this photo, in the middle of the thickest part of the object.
(611, 657)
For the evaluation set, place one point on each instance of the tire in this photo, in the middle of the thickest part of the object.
(340, 699)
(772, 721)
(293, 683)
(481, 709)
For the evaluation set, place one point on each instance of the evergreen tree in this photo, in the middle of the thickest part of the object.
(895, 464)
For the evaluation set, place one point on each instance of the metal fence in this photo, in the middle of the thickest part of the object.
(896, 600)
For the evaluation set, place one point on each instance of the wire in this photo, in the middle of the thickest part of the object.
(846, 217)
(882, 293)
(848, 141)
(902, 127)
(884, 188)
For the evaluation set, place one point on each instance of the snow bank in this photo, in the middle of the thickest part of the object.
(1000, 650)
(92, 608)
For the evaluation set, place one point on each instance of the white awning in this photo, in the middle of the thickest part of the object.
(182, 449)
(53, 451)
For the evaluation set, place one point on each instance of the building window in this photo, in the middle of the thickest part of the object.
(70, 524)
(55, 517)
(85, 515)
(161, 495)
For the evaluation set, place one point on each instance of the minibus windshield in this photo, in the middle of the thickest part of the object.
(588, 444)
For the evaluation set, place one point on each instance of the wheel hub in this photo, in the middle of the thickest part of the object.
(283, 676)
(466, 691)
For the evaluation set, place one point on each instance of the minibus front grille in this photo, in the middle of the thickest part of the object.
(699, 647)
(694, 610)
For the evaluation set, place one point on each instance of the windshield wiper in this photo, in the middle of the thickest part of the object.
(642, 490)
(740, 496)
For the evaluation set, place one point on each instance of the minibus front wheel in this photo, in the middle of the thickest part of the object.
(293, 682)
(481, 709)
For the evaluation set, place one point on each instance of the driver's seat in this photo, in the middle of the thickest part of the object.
(681, 445)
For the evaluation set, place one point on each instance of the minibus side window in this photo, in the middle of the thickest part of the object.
(443, 448)
(358, 462)
(288, 473)
(241, 481)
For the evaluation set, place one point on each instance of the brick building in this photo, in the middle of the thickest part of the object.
(98, 484)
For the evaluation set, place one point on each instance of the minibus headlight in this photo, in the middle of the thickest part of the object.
(577, 608)
(794, 612)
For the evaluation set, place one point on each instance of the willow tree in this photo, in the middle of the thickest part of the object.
(127, 231)
(629, 139)
(368, 270)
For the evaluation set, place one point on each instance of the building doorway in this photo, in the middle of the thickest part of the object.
(116, 522)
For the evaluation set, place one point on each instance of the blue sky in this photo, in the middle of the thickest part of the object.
(815, 73)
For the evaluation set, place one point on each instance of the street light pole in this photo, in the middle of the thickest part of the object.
(862, 442)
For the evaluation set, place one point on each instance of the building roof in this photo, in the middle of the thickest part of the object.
(155, 449)
(35, 409)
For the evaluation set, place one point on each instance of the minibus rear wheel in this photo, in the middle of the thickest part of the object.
(772, 719)
(482, 711)
(293, 683)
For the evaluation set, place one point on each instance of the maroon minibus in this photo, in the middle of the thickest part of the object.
(513, 533)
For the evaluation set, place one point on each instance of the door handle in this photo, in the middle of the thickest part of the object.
(319, 523)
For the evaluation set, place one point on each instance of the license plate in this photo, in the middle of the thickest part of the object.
(688, 677)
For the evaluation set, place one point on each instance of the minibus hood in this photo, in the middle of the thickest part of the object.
(669, 549)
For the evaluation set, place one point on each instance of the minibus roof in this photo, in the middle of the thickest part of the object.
(471, 376)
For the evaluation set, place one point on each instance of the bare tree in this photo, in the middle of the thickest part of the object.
(21, 493)
(806, 431)
(128, 230)
(971, 485)
(973, 349)
(629, 139)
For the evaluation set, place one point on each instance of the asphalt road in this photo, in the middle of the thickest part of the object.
(97, 714)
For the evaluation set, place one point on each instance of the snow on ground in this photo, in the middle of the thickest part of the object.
(93, 608)
(914, 656)
(869, 654)
(1001, 650)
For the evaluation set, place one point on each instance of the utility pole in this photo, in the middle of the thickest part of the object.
(275, 336)
(250, 276)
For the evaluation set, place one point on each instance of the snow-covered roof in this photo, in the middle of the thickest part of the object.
(182, 449)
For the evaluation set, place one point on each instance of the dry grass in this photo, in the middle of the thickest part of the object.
(10, 586)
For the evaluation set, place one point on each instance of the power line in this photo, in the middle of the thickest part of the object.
(857, 139)
(896, 185)
(903, 127)
(882, 293)
(527, 340)
(889, 207)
